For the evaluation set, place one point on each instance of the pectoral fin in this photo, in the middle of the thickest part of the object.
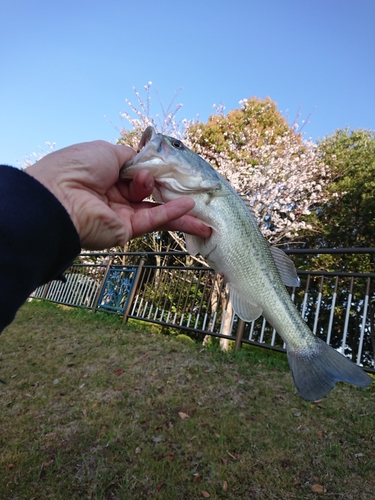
(285, 266)
(197, 244)
(242, 307)
(194, 244)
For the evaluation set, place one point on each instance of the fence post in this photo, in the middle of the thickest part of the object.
(45, 291)
(239, 334)
(95, 305)
(133, 289)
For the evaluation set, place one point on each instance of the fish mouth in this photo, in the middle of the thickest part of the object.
(149, 134)
(150, 146)
(159, 143)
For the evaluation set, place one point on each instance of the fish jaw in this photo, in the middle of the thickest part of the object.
(174, 176)
(153, 158)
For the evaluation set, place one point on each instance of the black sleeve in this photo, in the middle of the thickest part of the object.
(38, 240)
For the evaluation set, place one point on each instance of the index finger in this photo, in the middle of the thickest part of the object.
(124, 154)
(138, 188)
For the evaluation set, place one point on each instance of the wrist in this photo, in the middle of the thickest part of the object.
(55, 187)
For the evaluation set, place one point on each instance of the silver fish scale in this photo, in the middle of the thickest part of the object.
(238, 251)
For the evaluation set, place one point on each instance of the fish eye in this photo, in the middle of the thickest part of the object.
(177, 144)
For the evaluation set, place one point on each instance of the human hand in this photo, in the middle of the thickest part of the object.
(105, 210)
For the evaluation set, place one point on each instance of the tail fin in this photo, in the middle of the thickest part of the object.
(316, 373)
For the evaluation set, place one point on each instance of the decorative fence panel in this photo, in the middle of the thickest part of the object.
(338, 307)
(116, 289)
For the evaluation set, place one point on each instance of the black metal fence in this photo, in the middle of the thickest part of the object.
(168, 289)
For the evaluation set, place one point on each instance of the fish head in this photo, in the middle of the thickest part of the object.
(177, 170)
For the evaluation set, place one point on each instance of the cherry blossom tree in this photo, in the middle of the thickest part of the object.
(280, 175)
(140, 116)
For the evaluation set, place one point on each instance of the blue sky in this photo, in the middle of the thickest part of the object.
(66, 66)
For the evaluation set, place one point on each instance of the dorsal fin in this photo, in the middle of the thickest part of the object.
(284, 264)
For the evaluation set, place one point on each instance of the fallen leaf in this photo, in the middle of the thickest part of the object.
(196, 478)
(318, 488)
(23, 412)
(316, 479)
(138, 450)
(224, 461)
(205, 494)
(280, 396)
(50, 435)
(225, 486)
(159, 487)
(11, 466)
(183, 415)
(158, 439)
(170, 456)
(119, 372)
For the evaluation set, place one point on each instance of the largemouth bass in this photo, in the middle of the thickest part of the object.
(238, 251)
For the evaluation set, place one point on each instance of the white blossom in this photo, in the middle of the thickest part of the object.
(282, 177)
(280, 183)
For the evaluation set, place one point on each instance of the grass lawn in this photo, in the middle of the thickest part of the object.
(95, 409)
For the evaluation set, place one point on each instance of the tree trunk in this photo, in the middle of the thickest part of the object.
(227, 323)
